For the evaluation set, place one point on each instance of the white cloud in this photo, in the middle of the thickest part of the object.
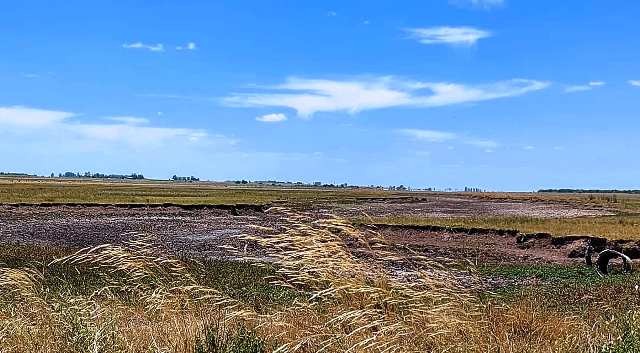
(188, 46)
(635, 83)
(332, 13)
(126, 129)
(29, 117)
(272, 118)
(129, 120)
(134, 134)
(435, 136)
(488, 145)
(429, 135)
(464, 36)
(309, 96)
(139, 45)
(577, 88)
(483, 4)
(586, 87)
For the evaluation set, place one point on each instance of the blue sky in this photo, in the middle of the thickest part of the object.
(503, 95)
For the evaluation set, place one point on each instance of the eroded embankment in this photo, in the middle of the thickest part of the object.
(501, 245)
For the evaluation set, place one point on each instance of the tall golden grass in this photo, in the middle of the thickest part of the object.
(364, 294)
(357, 293)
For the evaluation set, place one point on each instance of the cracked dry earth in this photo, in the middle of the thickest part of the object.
(202, 232)
(189, 232)
(450, 206)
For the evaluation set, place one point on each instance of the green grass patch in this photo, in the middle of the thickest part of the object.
(574, 289)
(546, 273)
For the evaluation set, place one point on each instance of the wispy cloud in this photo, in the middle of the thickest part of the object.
(188, 46)
(586, 87)
(428, 135)
(139, 45)
(20, 116)
(272, 118)
(134, 134)
(310, 96)
(129, 120)
(487, 145)
(478, 4)
(459, 36)
(332, 13)
(125, 129)
(635, 83)
(175, 96)
(435, 136)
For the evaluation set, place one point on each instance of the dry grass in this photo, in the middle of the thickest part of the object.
(355, 293)
(611, 227)
(616, 201)
(43, 190)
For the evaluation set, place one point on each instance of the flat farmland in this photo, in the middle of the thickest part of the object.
(197, 266)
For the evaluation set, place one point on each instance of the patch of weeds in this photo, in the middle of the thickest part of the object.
(557, 275)
(628, 339)
(59, 279)
(505, 293)
(16, 255)
(569, 289)
(246, 282)
(545, 273)
(240, 340)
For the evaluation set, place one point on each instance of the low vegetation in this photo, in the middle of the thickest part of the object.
(42, 190)
(611, 227)
(325, 287)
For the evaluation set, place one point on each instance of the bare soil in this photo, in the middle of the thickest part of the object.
(449, 206)
(203, 232)
(198, 232)
(480, 248)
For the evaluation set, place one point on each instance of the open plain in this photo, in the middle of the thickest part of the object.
(257, 258)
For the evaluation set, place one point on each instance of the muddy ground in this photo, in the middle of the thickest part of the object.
(202, 232)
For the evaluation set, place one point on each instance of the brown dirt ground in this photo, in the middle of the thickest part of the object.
(490, 248)
(202, 232)
(451, 206)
